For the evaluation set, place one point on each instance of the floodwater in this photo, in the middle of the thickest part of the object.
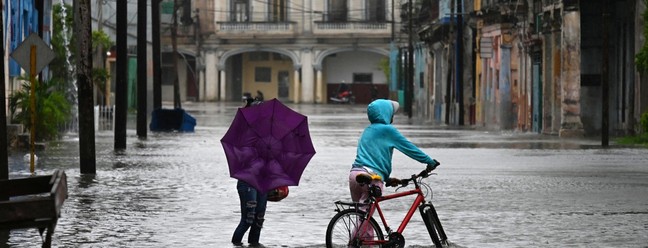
(493, 189)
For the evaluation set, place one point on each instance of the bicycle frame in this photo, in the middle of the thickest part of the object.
(375, 207)
(364, 230)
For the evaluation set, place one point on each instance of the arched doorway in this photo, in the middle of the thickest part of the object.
(261, 71)
(359, 71)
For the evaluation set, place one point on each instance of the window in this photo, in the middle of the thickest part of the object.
(421, 80)
(263, 74)
(337, 11)
(278, 10)
(362, 78)
(240, 10)
(375, 10)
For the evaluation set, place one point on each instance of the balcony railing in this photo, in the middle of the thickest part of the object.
(350, 25)
(231, 29)
(256, 26)
(374, 28)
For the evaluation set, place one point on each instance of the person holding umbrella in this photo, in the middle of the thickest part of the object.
(253, 203)
(267, 146)
(376, 147)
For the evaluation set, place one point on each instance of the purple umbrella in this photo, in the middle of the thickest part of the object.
(268, 145)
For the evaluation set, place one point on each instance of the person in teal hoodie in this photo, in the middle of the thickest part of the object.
(376, 147)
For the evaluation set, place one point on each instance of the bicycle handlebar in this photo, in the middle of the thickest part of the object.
(423, 174)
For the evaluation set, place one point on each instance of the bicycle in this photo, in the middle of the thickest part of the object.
(354, 227)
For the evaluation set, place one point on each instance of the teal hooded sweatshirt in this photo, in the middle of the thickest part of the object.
(378, 140)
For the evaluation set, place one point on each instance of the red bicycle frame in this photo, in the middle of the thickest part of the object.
(375, 206)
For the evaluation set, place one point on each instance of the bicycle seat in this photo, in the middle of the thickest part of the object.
(366, 178)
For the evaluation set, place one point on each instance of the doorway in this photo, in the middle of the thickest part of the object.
(283, 77)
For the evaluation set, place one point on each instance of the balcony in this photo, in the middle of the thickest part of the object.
(255, 29)
(354, 29)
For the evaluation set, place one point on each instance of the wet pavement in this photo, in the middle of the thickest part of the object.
(493, 189)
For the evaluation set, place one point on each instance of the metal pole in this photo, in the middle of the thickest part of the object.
(174, 48)
(393, 22)
(155, 35)
(4, 146)
(32, 98)
(605, 127)
(121, 89)
(141, 69)
(409, 93)
(459, 62)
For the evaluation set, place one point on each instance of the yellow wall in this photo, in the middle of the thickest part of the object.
(270, 90)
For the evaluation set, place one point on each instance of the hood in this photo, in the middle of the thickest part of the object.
(381, 111)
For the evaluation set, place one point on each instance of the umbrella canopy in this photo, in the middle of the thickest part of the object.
(268, 145)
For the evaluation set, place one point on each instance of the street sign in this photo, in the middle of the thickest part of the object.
(22, 54)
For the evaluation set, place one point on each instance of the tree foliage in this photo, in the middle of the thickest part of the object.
(100, 39)
(62, 40)
(641, 58)
(52, 108)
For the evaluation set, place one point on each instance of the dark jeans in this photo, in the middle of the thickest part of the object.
(253, 207)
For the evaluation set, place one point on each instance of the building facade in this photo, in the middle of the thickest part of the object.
(293, 50)
(537, 65)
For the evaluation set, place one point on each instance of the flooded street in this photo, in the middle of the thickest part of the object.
(492, 189)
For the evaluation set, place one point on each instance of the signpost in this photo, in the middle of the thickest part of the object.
(33, 54)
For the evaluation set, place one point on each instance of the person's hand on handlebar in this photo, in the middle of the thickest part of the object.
(392, 182)
(395, 182)
(432, 166)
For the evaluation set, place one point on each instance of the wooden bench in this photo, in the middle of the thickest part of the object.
(33, 202)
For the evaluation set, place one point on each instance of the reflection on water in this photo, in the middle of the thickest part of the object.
(492, 189)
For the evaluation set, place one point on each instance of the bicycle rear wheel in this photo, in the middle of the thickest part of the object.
(343, 230)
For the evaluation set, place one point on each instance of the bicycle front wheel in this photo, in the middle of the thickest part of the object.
(346, 229)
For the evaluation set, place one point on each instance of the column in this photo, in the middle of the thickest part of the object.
(319, 86)
(308, 81)
(296, 87)
(223, 83)
(211, 76)
(201, 84)
(571, 125)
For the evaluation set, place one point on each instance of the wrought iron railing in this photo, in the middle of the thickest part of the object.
(351, 25)
(256, 26)
(104, 120)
